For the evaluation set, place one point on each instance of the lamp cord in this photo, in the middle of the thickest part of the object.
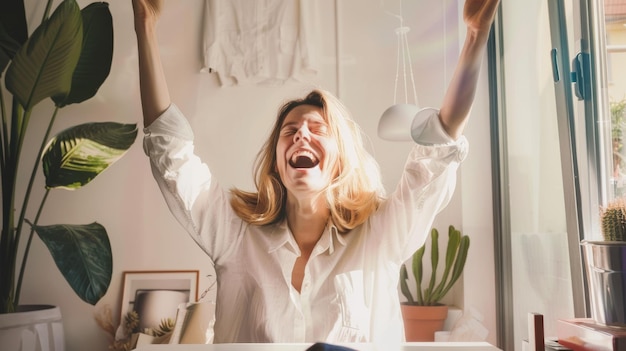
(404, 51)
(445, 46)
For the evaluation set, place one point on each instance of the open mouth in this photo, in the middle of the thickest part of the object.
(303, 159)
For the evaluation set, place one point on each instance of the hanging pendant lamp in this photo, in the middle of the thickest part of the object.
(399, 122)
(395, 123)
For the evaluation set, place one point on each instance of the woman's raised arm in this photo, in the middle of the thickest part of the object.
(155, 97)
(478, 16)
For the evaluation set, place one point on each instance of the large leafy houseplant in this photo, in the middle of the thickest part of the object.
(66, 58)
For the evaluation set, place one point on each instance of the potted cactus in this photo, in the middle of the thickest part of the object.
(424, 313)
(613, 221)
(605, 269)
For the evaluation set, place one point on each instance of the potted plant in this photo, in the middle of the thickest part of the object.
(605, 268)
(66, 58)
(424, 314)
(618, 114)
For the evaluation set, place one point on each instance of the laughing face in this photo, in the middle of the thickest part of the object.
(306, 152)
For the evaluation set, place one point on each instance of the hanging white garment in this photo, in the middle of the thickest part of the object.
(260, 42)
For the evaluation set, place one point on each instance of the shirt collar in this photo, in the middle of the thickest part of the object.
(282, 236)
(332, 237)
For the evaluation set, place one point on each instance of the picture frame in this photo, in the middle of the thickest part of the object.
(171, 286)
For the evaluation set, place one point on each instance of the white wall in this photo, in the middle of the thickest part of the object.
(231, 123)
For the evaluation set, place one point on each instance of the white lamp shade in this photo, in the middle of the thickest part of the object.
(395, 123)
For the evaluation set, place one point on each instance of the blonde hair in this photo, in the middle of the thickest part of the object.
(354, 193)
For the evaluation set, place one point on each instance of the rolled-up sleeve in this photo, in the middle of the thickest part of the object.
(426, 128)
(194, 198)
(425, 188)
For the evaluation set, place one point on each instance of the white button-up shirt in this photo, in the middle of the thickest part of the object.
(349, 292)
(260, 42)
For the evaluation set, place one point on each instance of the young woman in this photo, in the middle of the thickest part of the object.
(314, 254)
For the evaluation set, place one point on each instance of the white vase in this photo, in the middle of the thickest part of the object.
(32, 328)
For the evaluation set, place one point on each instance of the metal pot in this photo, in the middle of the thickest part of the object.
(605, 266)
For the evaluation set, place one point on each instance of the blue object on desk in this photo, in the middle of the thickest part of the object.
(320, 346)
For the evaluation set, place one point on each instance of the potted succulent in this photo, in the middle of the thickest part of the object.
(605, 268)
(66, 58)
(424, 313)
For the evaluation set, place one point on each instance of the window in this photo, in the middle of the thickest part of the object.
(559, 98)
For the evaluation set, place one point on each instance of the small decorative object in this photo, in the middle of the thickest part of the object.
(129, 334)
(424, 313)
(194, 323)
(159, 307)
(120, 336)
(141, 288)
(605, 269)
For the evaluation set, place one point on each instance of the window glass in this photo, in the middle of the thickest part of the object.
(541, 280)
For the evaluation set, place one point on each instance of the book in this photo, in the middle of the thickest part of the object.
(194, 323)
(583, 334)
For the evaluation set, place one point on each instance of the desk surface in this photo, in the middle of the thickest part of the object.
(409, 346)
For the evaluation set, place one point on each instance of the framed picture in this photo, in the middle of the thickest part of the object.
(156, 295)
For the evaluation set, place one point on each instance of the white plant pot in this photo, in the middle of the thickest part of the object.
(33, 328)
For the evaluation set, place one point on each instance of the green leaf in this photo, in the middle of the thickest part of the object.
(459, 263)
(44, 65)
(8, 48)
(83, 255)
(454, 237)
(78, 154)
(434, 262)
(404, 287)
(96, 55)
(418, 271)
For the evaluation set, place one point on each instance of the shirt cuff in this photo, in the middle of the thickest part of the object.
(426, 128)
(171, 122)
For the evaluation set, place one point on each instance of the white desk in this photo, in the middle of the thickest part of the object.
(409, 346)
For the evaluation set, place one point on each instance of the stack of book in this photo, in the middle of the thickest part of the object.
(583, 334)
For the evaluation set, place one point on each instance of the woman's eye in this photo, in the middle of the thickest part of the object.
(321, 130)
(288, 131)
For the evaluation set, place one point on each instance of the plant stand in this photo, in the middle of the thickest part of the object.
(605, 265)
(421, 322)
(32, 328)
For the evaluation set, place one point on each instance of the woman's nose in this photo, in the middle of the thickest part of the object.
(302, 133)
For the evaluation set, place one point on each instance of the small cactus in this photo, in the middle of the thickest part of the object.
(613, 220)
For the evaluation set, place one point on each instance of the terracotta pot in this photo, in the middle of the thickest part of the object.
(421, 322)
(33, 327)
